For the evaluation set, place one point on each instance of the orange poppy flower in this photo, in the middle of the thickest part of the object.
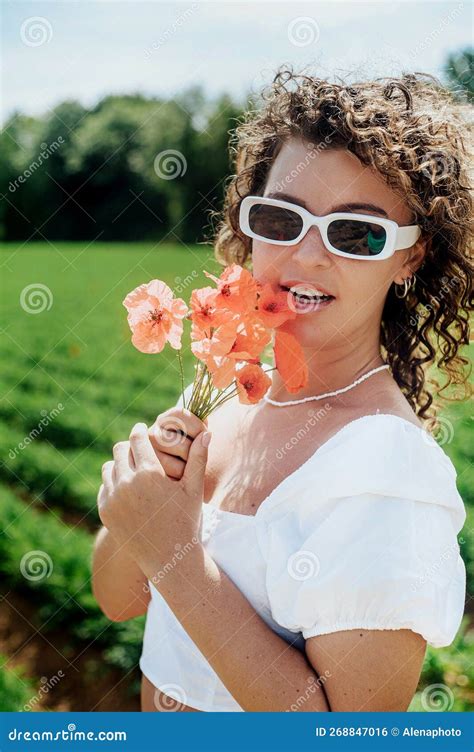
(205, 311)
(155, 317)
(273, 306)
(216, 343)
(236, 287)
(290, 361)
(222, 370)
(251, 338)
(252, 383)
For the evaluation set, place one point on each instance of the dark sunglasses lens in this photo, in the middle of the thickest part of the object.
(274, 222)
(356, 237)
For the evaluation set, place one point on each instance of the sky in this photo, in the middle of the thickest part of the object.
(84, 50)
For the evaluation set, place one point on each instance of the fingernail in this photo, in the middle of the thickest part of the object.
(205, 438)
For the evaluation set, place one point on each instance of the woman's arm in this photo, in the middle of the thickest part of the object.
(118, 584)
(368, 670)
(260, 669)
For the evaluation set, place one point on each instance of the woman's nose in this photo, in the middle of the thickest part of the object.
(311, 251)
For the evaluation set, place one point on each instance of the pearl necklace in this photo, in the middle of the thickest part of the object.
(328, 394)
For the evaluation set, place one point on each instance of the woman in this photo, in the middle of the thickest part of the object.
(326, 557)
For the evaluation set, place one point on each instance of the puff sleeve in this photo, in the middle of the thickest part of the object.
(376, 546)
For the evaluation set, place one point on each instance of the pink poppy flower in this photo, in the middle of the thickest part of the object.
(155, 317)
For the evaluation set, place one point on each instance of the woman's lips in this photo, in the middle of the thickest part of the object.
(301, 300)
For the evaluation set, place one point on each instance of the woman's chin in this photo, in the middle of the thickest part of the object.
(309, 330)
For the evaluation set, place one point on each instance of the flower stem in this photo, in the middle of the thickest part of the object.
(180, 361)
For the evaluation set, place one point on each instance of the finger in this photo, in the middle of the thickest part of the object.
(124, 461)
(107, 479)
(169, 442)
(193, 476)
(101, 495)
(182, 421)
(143, 452)
(173, 466)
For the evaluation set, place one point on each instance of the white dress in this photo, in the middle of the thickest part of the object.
(362, 535)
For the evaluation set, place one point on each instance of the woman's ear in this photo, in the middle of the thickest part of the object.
(413, 261)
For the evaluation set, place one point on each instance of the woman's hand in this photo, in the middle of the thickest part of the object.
(153, 515)
(171, 435)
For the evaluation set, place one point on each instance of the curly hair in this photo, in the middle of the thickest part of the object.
(416, 134)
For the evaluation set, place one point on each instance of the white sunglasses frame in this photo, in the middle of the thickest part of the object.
(398, 238)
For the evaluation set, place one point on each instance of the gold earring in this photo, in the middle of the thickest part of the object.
(408, 284)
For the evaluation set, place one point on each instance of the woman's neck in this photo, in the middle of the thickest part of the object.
(328, 371)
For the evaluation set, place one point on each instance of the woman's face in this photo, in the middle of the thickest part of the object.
(325, 182)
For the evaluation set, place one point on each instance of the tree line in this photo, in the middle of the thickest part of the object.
(132, 167)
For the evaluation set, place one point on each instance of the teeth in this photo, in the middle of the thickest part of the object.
(309, 292)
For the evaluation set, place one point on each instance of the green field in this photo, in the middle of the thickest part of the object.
(72, 366)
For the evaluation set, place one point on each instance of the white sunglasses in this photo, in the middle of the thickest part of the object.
(358, 236)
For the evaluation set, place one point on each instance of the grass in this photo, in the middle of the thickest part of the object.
(16, 689)
(73, 385)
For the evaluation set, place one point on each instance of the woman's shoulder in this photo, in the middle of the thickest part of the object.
(388, 449)
(380, 455)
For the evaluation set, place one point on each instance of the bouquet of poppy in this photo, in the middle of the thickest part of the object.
(232, 324)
